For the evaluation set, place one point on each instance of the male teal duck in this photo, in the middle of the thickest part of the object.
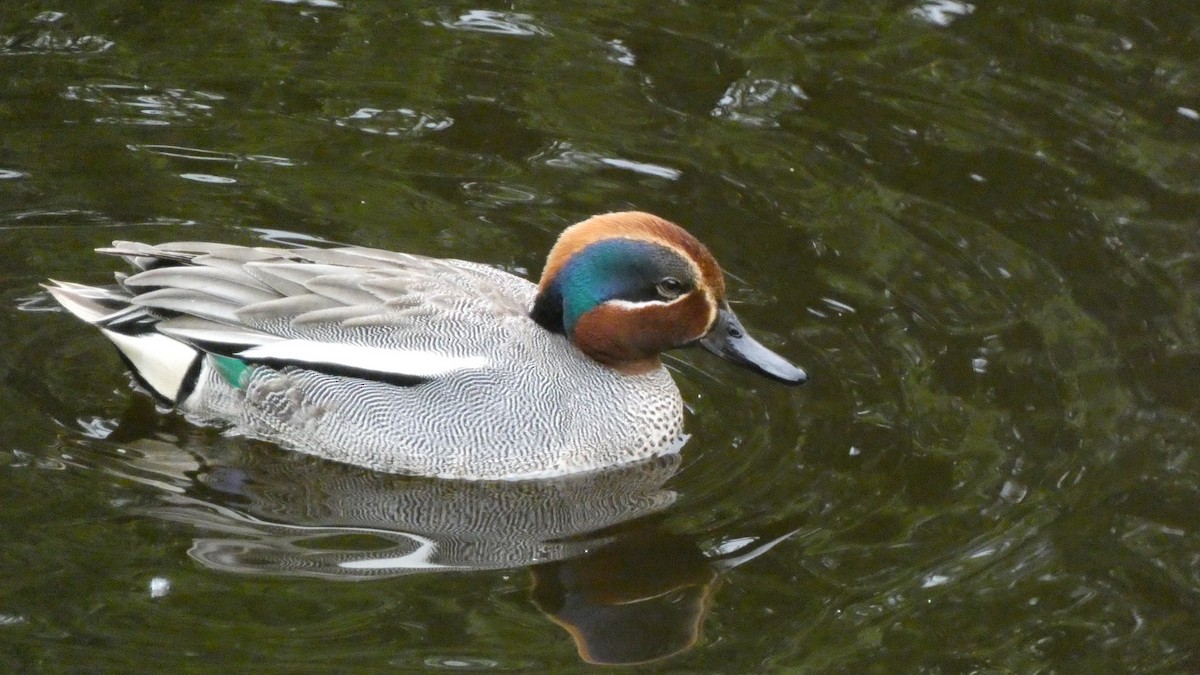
(408, 364)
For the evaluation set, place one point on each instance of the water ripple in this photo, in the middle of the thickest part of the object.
(488, 193)
(564, 156)
(48, 17)
(758, 102)
(943, 12)
(619, 52)
(323, 4)
(51, 43)
(208, 178)
(395, 121)
(988, 213)
(201, 155)
(154, 106)
(495, 23)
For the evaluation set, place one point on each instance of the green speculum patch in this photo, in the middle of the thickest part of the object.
(235, 371)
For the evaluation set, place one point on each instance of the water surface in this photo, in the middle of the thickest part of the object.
(975, 225)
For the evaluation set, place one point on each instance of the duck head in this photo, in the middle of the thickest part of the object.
(625, 287)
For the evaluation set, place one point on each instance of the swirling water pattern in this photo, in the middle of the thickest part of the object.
(975, 224)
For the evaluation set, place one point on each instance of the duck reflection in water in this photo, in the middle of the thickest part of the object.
(603, 565)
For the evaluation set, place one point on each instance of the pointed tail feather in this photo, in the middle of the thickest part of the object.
(165, 366)
(88, 303)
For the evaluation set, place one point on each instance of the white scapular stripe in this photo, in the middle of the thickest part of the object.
(416, 363)
(161, 361)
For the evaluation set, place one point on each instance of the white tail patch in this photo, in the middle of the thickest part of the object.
(410, 362)
(160, 361)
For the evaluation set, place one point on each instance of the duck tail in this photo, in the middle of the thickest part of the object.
(164, 366)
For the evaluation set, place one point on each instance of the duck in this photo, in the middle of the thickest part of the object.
(407, 364)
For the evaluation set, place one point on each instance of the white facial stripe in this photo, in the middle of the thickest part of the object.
(413, 362)
(633, 306)
(702, 286)
(629, 304)
(698, 275)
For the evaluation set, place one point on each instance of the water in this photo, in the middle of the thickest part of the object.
(974, 224)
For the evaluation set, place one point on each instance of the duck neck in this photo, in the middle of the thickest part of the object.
(547, 309)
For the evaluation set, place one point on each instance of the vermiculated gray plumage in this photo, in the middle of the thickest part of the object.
(468, 387)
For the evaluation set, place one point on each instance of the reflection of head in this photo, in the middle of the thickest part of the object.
(626, 590)
(641, 599)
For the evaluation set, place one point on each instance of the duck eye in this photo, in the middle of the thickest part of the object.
(670, 287)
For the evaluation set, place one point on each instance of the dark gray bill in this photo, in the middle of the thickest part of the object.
(729, 340)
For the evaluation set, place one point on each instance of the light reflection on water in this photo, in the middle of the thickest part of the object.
(973, 223)
(156, 107)
(602, 563)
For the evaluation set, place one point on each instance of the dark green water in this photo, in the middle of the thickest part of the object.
(976, 225)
